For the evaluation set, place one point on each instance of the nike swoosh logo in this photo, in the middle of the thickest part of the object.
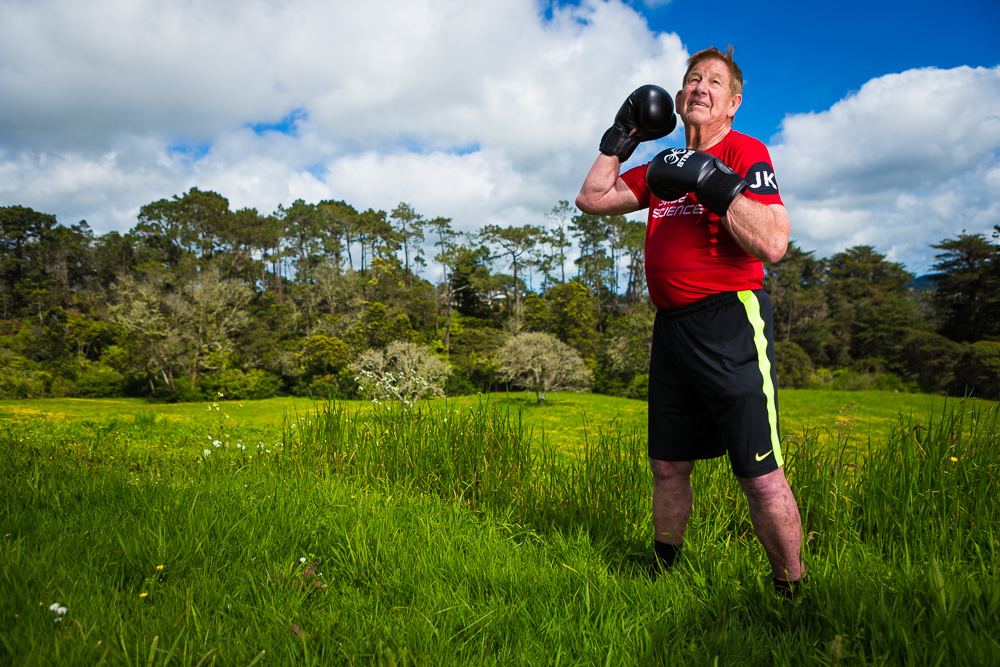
(761, 457)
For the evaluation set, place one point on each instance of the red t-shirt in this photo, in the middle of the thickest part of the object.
(689, 254)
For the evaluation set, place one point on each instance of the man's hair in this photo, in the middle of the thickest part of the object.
(735, 73)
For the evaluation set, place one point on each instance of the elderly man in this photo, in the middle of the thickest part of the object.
(715, 216)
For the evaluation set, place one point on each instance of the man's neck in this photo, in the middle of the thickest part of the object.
(703, 138)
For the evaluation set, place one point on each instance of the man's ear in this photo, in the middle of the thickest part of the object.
(734, 104)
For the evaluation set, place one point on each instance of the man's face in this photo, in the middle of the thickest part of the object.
(706, 98)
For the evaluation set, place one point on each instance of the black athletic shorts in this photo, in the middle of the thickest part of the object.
(712, 383)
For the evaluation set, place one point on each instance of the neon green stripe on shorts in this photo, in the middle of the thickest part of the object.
(752, 305)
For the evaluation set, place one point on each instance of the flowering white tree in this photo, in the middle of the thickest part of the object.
(542, 363)
(401, 372)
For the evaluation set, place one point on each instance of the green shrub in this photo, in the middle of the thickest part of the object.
(338, 385)
(853, 379)
(17, 378)
(459, 384)
(793, 365)
(99, 382)
(606, 381)
(638, 388)
(21, 383)
(978, 371)
(927, 358)
(236, 385)
(181, 393)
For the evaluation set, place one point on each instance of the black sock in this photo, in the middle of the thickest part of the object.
(666, 553)
(786, 588)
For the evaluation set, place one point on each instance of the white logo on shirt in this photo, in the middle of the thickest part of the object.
(768, 180)
(679, 207)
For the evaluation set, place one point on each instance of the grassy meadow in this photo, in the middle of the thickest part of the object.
(564, 421)
(484, 530)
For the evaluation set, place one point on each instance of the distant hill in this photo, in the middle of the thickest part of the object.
(923, 282)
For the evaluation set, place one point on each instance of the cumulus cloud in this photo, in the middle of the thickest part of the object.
(487, 111)
(907, 161)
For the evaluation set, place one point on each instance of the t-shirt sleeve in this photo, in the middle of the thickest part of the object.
(754, 164)
(635, 179)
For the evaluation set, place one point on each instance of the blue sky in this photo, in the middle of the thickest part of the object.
(882, 118)
(801, 57)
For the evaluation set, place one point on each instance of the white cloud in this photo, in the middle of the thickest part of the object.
(107, 187)
(484, 112)
(908, 161)
(481, 111)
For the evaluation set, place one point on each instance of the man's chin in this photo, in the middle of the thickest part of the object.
(696, 116)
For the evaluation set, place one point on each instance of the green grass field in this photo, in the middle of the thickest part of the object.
(484, 531)
(564, 420)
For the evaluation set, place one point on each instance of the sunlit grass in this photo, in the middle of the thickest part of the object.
(564, 419)
(456, 534)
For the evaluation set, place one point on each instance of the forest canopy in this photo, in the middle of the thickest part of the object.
(200, 301)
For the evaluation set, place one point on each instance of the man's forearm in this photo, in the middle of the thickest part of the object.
(759, 229)
(602, 192)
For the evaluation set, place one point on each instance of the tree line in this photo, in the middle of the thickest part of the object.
(199, 301)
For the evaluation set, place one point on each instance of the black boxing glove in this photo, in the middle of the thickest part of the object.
(649, 111)
(676, 171)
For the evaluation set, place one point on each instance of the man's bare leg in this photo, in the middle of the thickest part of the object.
(776, 521)
(672, 499)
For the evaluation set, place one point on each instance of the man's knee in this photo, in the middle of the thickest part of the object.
(765, 487)
(671, 472)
